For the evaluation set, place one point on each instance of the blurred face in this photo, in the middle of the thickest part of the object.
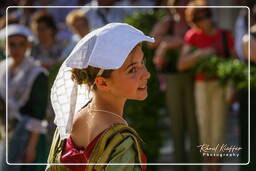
(80, 26)
(204, 24)
(130, 81)
(17, 46)
(42, 30)
(181, 11)
(203, 20)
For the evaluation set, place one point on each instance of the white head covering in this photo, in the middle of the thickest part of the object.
(105, 48)
(16, 29)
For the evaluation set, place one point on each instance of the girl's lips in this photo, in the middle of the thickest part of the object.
(142, 88)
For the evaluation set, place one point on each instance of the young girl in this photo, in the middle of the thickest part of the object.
(88, 96)
(27, 101)
(48, 48)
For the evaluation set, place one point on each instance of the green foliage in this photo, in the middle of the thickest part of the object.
(228, 71)
(145, 20)
(144, 116)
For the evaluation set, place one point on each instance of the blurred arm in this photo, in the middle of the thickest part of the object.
(159, 30)
(187, 59)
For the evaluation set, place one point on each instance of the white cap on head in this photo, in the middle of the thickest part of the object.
(16, 29)
(104, 48)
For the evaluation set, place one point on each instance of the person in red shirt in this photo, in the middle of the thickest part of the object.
(178, 86)
(210, 96)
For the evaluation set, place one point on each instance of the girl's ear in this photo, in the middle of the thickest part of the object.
(102, 83)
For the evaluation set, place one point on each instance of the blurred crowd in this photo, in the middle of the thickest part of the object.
(197, 104)
(40, 39)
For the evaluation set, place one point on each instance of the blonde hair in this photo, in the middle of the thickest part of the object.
(75, 15)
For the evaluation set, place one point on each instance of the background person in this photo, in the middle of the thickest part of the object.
(210, 96)
(169, 33)
(79, 25)
(243, 99)
(48, 49)
(27, 101)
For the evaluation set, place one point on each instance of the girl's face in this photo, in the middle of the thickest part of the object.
(42, 30)
(17, 46)
(130, 81)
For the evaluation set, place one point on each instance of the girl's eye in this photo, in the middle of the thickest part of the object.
(133, 70)
(143, 61)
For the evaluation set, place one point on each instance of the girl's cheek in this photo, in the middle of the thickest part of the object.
(135, 77)
(140, 74)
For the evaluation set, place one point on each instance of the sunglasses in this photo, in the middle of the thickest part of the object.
(205, 14)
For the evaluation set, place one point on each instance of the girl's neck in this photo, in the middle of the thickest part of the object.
(107, 103)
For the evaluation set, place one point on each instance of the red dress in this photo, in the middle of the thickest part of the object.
(77, 154)
(196, 38)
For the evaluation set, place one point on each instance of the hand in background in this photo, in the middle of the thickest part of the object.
(205, 52)
(30, 151)
(168, 43)
(30, 154)
(159, 56)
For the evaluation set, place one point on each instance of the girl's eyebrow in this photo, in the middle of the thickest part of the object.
(134, 63)
(131, 65)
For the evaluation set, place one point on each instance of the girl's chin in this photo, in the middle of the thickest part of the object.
(143, 97)
(140, 95)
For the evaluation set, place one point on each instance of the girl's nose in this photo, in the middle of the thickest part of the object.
(146, 74)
